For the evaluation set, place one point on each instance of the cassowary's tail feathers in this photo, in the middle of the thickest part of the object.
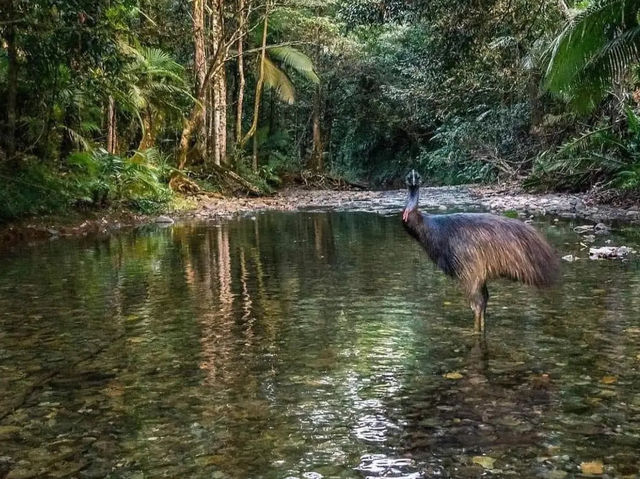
(501, 248)
(542, 268)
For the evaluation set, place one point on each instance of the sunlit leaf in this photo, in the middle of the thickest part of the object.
(592, 468)
(484, 461)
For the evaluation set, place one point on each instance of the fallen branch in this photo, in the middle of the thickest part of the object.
(227, 173)
(322, 180)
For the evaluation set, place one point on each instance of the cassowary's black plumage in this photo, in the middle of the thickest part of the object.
(476, 247)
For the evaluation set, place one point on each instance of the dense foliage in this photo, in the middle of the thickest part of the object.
(108, 102)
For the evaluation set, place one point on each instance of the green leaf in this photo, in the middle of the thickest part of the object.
(279, 81)
(296, 60)
(597, 46)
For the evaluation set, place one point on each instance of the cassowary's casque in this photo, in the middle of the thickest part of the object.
(477, 247)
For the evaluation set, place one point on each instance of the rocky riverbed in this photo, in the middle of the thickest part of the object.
(433, 199)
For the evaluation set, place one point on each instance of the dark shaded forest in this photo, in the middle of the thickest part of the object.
(127, 102)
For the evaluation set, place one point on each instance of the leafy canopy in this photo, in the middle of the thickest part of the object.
(595, 48)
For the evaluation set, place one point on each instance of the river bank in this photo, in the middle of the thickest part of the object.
(433, 199)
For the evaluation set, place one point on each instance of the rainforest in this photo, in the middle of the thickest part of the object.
(307, 239)
(128, 103)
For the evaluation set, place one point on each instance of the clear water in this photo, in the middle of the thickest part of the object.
(308, 345)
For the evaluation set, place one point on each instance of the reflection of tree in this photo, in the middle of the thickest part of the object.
(215, 309)
(246, 299)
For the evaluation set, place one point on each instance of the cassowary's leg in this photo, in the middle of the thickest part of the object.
(478, 297)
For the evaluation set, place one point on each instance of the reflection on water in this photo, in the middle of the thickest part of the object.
(309, 346)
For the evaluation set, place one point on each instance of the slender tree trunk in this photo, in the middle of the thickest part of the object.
(219, 87)
(317, 153)
(200, 65)
(241, 79)
(209, 122)
(259, 88)
(12, 88)
(112, 127)
(254, 156)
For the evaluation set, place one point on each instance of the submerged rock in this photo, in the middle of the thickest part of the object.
(610, 252)
(164, 220)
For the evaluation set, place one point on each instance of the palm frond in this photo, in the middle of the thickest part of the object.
(277, 79)
(77, 138)
(296, 60)
(596, 46)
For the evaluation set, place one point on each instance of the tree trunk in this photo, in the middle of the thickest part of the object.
(209, 122)
(212, 71)
(188, 127)
(150, 122)
(112, 128)
(241, 79)
(254, 156)
(317, 153)
(219, 88)
(12, 88)
(259, 83)
(200, 65)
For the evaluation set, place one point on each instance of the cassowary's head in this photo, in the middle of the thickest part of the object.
(413, 183)
(413, 179)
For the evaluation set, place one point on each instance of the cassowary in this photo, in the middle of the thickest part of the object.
(477, 247)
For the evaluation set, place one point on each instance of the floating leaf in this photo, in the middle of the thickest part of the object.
(453, 375)
(609, 380)
(592, 468)
(607, 393)
(484, 461)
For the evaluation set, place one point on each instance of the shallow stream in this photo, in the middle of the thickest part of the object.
(309, 345)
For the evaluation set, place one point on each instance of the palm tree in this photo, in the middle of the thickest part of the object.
(595, 48)
(270, 73)
(152, 82)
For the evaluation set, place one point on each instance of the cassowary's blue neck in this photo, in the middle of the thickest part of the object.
(412, 202)
(412, 198)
